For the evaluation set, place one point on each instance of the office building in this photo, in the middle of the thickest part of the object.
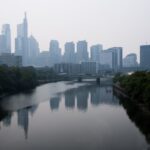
(55, 52)
(33, 50)
(10, 60)
(118, 57)
(130, 60)
(2, 44)
(82, 51)
(95, 52)
(21, 41)
(7, 34)
(107, 60)
(69, 55)
(145, 56)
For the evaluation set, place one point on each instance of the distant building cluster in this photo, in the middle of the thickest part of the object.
(77, 57)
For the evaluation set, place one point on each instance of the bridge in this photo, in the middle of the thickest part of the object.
(99, 79)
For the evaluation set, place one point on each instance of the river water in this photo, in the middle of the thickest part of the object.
(68, 116)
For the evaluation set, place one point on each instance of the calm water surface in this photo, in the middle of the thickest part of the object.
(65, 116)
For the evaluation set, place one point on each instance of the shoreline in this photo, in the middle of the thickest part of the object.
(121, 93)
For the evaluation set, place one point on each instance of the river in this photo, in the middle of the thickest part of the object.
(68, 116)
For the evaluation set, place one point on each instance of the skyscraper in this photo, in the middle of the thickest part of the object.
(145, 56)
(118, 57)
(107, 60)
(33, 47)
(21, 42)
(33, 50)
(95, 52)
(7, 33)
(69, 55)
(82, 51)
(2, 43)
(55, 52)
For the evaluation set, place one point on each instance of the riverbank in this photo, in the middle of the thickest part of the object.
(120, 92)
(19, 79)
(136, 86)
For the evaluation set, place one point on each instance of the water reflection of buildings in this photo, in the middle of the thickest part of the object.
(95, 96)
(80, 96)
(23, 118)
(54, 103)
(70, 99)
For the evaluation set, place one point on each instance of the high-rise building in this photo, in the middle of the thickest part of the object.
(145, 56)
(130, 60)
(118, 57)
(82, 51)
(107, 60)
(7, 33)
(21, 42)
(69, 55)
(2, 44)
(33, 47)
(33, 50)
(55, 52)
(95, 52)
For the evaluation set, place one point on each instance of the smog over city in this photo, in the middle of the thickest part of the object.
(75, 74)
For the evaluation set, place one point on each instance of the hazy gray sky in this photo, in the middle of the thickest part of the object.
(109, 22)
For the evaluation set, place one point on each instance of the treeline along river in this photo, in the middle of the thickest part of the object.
(15, 79)
(70, 116)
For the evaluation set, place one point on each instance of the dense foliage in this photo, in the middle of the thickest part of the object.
(14, 79)
(136, 85)
(46, 74)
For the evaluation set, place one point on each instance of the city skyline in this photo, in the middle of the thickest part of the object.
(111, 23)
(27, 48)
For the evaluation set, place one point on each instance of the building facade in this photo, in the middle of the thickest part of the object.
(21, 41)
(55, 52)
(10, 60)
(130, 60)
(145, 56)
(7, 34)
(82, 51)
(95, 52)
(69, 55)
(33, 50)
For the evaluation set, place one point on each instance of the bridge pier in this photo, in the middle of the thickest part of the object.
(98, 80)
